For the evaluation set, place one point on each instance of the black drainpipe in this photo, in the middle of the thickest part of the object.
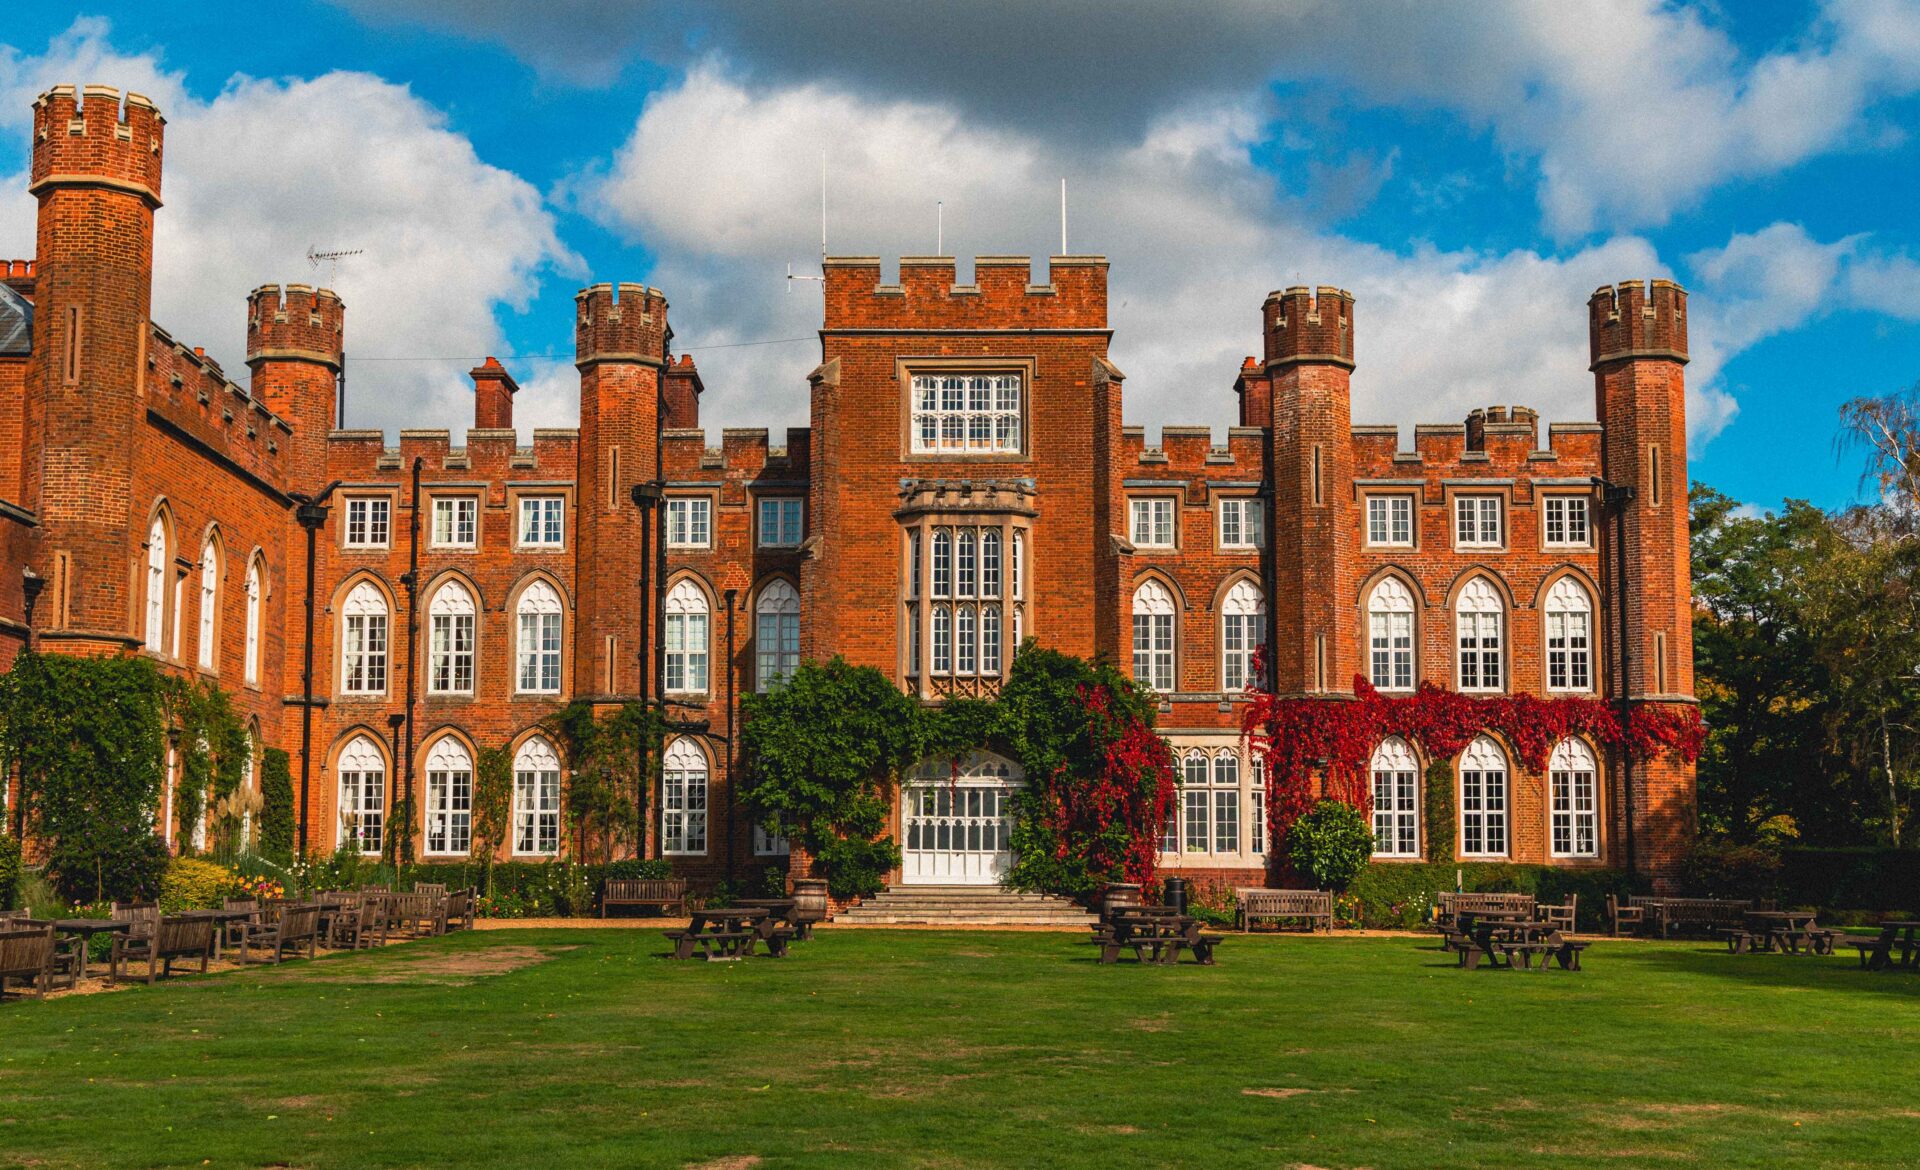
(645, 504)
(733, 674)
(659, 548)
(1616, 497)
(311, 513)
(412, 580)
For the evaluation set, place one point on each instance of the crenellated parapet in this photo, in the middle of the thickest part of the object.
(1308, 325)
(744, 454)
(91, 139)
(492, 454)
(1637, 319)
(295, 323)
(1001, 296)
(620, 323)
(187, 392)
(1495, 443)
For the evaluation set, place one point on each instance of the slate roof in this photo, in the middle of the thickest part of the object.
(16, 323)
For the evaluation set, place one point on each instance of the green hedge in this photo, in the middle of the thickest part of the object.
(535, 889)
(1402, 894)
(1851, 879)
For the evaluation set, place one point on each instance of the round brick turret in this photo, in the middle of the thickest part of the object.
(620, 323)
(1636, 320)
(96, 142)
(1309, 326)
(296, 342)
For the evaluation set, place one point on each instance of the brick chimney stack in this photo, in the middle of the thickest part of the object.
(493, 391)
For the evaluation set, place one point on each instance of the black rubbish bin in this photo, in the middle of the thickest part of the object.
(1174, 894)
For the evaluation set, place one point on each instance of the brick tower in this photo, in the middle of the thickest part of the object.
(96, 174)
(1639, 345)
(620, 347)
(1309, 361)
(295, 342)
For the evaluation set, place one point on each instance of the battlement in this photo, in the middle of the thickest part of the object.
(16, 270)
(927, 297)
(620, 323)
(297, 323)
(1519, 421)
(1191, 451)
(97, 142)
(1501, 442)
(193, 395)
(489, 453)
(1638, 319)
(744, 452)
(1306, 325)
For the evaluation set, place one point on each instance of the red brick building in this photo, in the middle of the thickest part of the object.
(966, 483)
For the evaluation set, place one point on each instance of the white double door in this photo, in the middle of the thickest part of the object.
(956, 832)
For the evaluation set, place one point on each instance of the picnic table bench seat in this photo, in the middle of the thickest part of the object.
(728, 944)
(26, 953)
(1313, 907)
(659, 892)
(172, 938)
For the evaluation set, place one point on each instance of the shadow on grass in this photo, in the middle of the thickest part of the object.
(1840, 973)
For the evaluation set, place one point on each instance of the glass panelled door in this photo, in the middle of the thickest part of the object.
(956, 824)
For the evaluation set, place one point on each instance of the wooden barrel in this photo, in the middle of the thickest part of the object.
(1118, 896)
(810, 899)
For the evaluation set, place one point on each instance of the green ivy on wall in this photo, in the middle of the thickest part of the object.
(276, 813)
(1439, 805)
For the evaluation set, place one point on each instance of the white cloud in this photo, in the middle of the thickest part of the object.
(1196, 234)
(269, 168)
(1623, 111)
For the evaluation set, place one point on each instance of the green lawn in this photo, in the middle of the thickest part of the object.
(577, 1049)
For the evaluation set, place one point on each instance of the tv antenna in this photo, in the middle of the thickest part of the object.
(316, 257)
(822, 278)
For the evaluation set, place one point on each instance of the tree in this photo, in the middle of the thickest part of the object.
(492, 807)
(602, 747)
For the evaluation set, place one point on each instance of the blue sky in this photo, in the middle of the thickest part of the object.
(1471, 172)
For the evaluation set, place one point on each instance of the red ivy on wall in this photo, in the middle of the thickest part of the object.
(1116, 817)
(1296, 735)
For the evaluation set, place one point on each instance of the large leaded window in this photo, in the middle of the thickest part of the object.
(969, 590)
(1569, 637)
(1214, 812)
(156, 585)
(363, 795)
(1390, 635)
(1396, 796)
(1243, 623)
(536, 798)
(1575, 823)
(450, 625)
(1153, 613)
(1483, 799)
(1478, 618)
(539, 621)
(251, 667)
(776, 633)
(683, 799)
(363, 641)
(965, 414)
(449, 797)
(687, 627)
(209, 603)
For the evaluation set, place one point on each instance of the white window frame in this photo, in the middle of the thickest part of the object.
(689, 521)
(540, 521)
(1155, 647)
(156, 625)
(1486, 793)
(452, 638)
(449, 802)
(954, 413)
(1479, 520)
(453, 510)
(1153, 521)
(366, 624)
(1573, 801)
(1243, 627)
(788, 515)
(539, 640)
(365, 796)
(1480, 615)
(685, 784)
(1391, 660)
(1242, 523)
(1395, 775)
(369, 522)
(688, 639)
(776, 633)
(1575, 512)
(209, 605)
(770, 844)
(536, 799)
(1387, 513)
(1569, 632)
(250, 664)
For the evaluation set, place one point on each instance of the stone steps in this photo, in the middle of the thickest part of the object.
(964, 906)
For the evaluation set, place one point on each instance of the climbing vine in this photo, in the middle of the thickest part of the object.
(602, 747)
(212, 745)
(1300, 736)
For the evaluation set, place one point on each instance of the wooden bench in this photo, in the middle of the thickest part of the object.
(291, 927)
(1313, 907)
(1706, 915)
(27, 953)
(172, 938)
(660, 892)
(1624, 914)
(1454, 904)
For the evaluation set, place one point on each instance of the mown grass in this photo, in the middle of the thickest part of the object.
(583, 1049)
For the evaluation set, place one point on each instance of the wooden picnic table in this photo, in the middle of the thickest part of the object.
(1500, 939)
(219, 918)
(85, 929)
(1903, 933)
(1782, 930)
(730, 932)
(1156, 934)
(785, 910)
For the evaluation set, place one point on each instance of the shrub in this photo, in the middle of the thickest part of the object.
(1330, 844)
(1730, 871)
(634, 869)
(1403, 893)
(1867, 878)
(9, 872)
(276, 815)
(192, 884)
